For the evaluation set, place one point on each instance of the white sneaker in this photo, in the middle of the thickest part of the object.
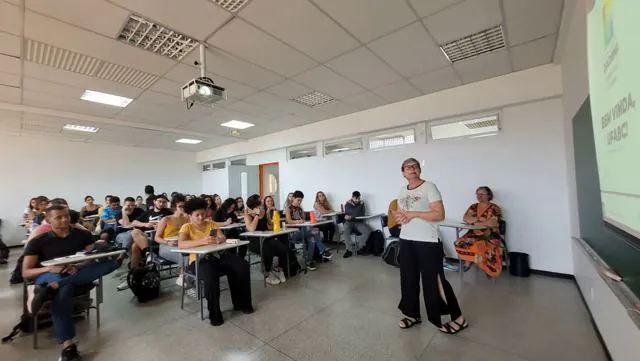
(272, 279)
(123, 286)
(280, 275)
(180, 280)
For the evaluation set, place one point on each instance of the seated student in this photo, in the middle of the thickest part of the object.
(199, 233)
(274, 250)
(352, 209)
(287, 203)
(140, 203)
(169, 226)
(110, 214)
(38, 216)
(270, 208)
(217, 202)
(31, 211)
(211, 207)
(89, 209)
(482, 246)
(295, 215)
(135, 242)
(394, 227)
(226, 214)
(322, 206)
(44, 227)
(240, 208)
(60, 282)
(149, 191)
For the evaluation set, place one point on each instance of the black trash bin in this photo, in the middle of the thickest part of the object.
(519, 264)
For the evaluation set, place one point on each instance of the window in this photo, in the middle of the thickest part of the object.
(306, 151)
(342, 146)
(218, 165)
(468, 128)
(206, 167)
(239, 161)
(392, 138)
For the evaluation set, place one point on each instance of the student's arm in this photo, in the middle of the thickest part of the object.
(142, 221)
(219, 238)
(347, 211)
(436, 214)
(30, 271)
(185, 242)
(82, 211)
(160, 231)
(289, 218)
(251, 220)
(468, 216)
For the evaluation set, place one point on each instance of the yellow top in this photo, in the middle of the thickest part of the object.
(171, 230)
(391, 221)
(193, 233)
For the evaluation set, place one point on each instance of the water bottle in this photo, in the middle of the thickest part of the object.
(312, 217)
(276, 221)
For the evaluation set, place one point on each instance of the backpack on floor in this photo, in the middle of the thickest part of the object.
(144, 282)
(375, 243)
(16, 275)
(391, 254)
(294, 265)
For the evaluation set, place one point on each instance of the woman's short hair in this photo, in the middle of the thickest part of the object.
(409, 161)
(195, 204)
(253, 201)
(87, 197)
(486, 189)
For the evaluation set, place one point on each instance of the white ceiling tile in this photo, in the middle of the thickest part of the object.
(338, 108)
(301, 25)
(56, 89)
(289, 89)
(255, 110)
(9, 64)
(9, 125)
(289, 121)
(274, 102)
(254, 45)
(197, 18)
(167, 115)
(168, 141)
(54, 32)
(9, 94)
(463, 19)
(429, 7)
(10, 18)
(152, 97)
(325, 80)
(42, 72)
(365, 101)
(369, 19)
(410, 51)
(167, 87)
(528, 20)
(95, 15)
(232, 67)
(484, 67)
(8, 79)
(533, 53)
(124, 135)
(436, 80)
(182, 73)
(68, 104)
(364, 68)
(397, 91)
(9, 44)
(313, 114)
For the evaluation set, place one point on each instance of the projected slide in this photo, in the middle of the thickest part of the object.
(613, 43)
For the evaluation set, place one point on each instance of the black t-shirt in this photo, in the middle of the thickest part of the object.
(48, 245)
(137, 212)
(149, 201)
(152, 215)
(222, 217)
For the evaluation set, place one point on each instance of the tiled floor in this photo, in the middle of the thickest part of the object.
(346, 310)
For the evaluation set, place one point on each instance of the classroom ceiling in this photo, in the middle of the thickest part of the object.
(363, 53)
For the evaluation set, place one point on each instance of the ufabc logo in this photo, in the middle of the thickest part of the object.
(607, 21)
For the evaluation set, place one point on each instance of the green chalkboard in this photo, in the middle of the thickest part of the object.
(619, 253)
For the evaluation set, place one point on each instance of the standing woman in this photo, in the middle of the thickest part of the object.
(419, 209)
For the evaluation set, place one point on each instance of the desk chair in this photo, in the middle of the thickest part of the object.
(384, 222)
(502, 228)
(82, 305)
(199, 289)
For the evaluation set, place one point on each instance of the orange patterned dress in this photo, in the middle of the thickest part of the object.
(482, 246)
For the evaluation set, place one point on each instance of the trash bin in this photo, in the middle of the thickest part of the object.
(519, 264)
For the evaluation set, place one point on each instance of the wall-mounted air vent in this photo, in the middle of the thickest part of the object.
(470, 46)
(314, 99)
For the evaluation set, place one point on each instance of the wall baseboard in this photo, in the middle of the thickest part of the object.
(552, 274)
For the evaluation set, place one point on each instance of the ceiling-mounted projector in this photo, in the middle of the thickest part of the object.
(202, 90)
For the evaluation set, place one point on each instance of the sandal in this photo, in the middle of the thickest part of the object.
(408, 323)
(450, 330)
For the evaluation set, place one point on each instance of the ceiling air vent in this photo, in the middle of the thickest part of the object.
(470, 46)
(158, 39)
(68, 60)
(314, 99)
(467, 128)
(232, 6)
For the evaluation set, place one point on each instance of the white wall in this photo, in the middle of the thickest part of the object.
(524, 165)
(216, 182)
(235, 180)
(72, 170)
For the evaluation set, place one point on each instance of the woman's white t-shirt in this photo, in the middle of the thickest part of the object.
(418, 200)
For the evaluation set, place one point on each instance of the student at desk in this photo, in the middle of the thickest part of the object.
(274, 249)
(169, 227)
(322, 206)
(310, 236)
(198, 233)
(352, 210)
(59, 282)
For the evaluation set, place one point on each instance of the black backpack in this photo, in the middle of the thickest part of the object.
(391, 254)
(375, 243)
(144, 282)
(16, 275)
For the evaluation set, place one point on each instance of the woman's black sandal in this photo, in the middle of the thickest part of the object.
(450, 330)
(408, 323)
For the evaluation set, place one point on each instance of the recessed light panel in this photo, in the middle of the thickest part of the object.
(236, 124)
(104, 98)
(188, 141)
(80, 128)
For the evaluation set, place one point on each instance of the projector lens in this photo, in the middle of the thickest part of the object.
(204, 90)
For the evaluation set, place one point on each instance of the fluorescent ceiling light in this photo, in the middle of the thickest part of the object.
(341, 149)
(80, 128)
(483, 135)
(236, 124)
(104, 98)
(188, 141)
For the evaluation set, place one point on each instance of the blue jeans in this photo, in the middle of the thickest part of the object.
(62, 303)
(312, 239)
